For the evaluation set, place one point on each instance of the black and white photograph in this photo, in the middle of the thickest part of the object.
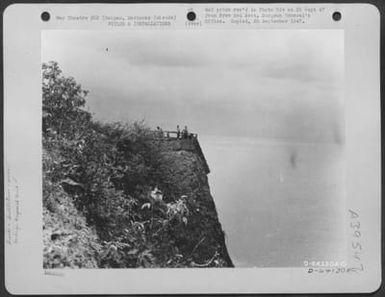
(193, 149)
(185, 148)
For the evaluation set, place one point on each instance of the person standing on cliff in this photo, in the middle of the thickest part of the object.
(160, 132)
(177, 132)
(185, 132)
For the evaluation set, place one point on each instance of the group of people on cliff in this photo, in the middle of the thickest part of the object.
(183, 134)
(180, 134)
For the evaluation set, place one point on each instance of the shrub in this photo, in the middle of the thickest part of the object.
(108, 171)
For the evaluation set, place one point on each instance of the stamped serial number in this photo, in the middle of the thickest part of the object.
(322, 264)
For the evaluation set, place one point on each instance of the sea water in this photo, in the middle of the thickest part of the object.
(280, 203)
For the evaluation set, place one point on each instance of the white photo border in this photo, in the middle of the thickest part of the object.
(24, 273)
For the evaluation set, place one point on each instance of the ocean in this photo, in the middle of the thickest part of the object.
(280, 203)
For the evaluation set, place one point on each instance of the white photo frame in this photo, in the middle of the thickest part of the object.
(23, 33)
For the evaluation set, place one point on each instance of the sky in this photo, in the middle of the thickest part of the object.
(281, 84)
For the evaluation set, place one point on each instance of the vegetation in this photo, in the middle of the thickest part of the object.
(97, 180)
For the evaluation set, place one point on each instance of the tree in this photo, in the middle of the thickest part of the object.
(63, 102)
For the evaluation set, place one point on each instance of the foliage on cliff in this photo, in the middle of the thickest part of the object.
(97, 180)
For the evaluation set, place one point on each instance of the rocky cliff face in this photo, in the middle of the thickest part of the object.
(118, 231)
(186, 170)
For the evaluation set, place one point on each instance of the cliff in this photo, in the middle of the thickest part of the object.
(115, 226)
(186, 168)
(121, 195)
